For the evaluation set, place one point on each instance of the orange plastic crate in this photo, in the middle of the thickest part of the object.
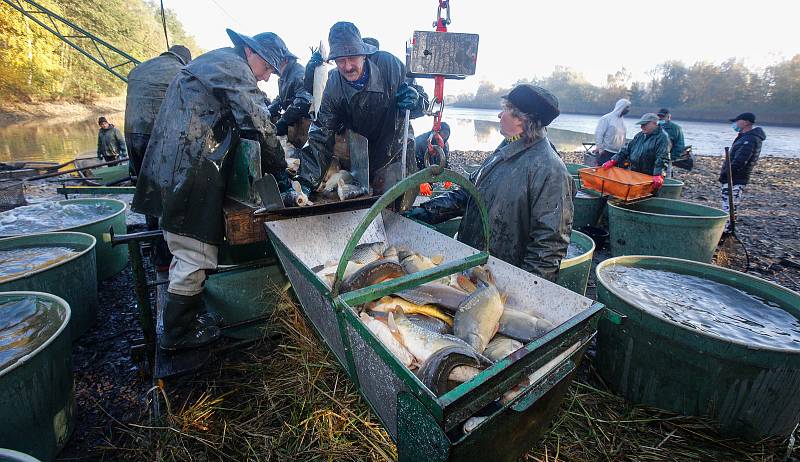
(617, 182)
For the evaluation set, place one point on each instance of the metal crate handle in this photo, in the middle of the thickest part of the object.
(434, 173)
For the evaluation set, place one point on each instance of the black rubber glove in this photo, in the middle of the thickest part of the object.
(281, 128)
(274, 108)
(419, 214)
(406, 97)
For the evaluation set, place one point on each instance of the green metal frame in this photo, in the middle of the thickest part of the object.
(67, 190)
(73, 31)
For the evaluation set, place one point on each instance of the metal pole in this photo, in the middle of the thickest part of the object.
(403, 170)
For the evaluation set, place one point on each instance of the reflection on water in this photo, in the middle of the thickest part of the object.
(54, 142)
(485, 131)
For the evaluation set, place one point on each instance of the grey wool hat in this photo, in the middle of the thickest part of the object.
(647, 118)
(344, 39)
(535, 101)
(182, 52)
(262, 44)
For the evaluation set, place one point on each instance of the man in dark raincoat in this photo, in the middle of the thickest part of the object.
(744, 154)
(647, 152)
(110, 143)
(366, 93)
(526, 186)
(291, 106)
(210, 104)
(147, 85)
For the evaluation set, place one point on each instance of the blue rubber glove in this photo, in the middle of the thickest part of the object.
(281, 128)
(407, 97)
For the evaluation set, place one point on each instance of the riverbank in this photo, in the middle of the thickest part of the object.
(57, 112)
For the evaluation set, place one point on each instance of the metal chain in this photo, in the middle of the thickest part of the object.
(438, 90)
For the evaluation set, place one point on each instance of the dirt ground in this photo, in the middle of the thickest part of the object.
(112, 392)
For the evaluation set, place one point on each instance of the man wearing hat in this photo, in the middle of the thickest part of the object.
(366, 93)
(110, 142)
(211, 103)
(147, 85)
(290, 108)
(674, 132)
(526, 186)
(647, 152)
(744, 154)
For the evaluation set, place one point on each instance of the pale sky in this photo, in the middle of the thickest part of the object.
(523, 39)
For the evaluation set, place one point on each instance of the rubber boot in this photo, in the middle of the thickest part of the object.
(181, 328)
(209, 318)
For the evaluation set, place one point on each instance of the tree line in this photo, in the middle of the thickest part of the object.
(38, 66)
(702, 91)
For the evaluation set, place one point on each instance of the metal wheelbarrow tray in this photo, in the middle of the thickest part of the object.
(424, 426)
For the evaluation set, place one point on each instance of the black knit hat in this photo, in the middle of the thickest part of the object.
(182, 52)
(263, 45)
(537, 102)
(344, 39)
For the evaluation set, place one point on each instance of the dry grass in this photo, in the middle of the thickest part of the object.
(293, 402)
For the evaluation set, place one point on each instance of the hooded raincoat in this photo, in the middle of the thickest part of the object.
(528, 193)
(610, 132)
(744, 153)
(371, 112)
(147, 85)
(646, 154)
(675, 134)
(210, 103)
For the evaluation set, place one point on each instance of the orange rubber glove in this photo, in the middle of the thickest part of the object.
(448, 184)
(425, 189)
(609, 164)
(658, 182)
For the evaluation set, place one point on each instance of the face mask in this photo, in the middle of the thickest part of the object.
(735, 127)
(662, 122)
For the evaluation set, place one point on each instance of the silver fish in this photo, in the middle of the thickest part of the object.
(388, 339)
(421, 342)
(477, 317)
(332, 183)
(295, 197)
(349, 191)
(434, 293)
(500, 347)
(523, 326)
(367, 253)
(413, 262)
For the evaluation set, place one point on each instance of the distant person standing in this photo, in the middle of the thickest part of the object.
(744, 153)
(147, 85)
(675, 133)
(110, 142)
(610, 132)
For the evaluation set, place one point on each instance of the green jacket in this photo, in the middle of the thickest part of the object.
(646, 154)
(675, 133)
(111, 143)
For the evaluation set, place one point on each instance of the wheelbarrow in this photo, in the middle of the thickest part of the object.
(425, 426)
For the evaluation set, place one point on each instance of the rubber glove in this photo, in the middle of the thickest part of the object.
(419, 214)
(658, 182)
(406, 97)
(308, 78)
(610, 163)
(281, 128)
(274, 109)
(448, 184)
(425, 189)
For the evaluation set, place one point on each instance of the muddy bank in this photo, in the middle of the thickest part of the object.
(21, 113)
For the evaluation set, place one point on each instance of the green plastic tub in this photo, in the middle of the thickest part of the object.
(588, 208)
(671, 189)
(74, 279)
(665, 227)
(36, 391)
(574, 272)
(110, 260)
(750, 391)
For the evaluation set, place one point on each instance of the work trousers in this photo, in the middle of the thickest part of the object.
(738, 192)
(190, 260)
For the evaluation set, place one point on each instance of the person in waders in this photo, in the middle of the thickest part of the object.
(211, 103)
